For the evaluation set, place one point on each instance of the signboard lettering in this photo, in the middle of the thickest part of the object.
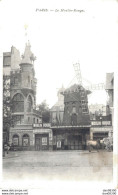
(37, 125)
(46, 125)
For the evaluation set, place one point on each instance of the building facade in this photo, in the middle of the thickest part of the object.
(11, 61)
(27, 131)
(72, 132)
(102, 124)
(97, 110)
(110, 91)
(100, 129)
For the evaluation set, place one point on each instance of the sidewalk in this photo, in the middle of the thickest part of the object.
(11, 154)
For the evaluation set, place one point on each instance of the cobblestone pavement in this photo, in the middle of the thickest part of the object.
(61, 165)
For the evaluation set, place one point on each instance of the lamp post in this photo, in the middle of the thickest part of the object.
(101, 119)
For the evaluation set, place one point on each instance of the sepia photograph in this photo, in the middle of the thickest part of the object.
(59, 91)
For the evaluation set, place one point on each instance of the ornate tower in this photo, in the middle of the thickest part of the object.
(23, 89)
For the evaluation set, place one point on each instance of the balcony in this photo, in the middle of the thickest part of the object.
(36, 112)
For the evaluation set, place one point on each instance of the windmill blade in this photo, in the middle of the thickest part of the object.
(78, 73)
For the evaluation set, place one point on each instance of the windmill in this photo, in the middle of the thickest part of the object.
(91, 87)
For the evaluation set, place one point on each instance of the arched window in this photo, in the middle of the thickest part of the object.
(26, 140)
(18, 103)
(15, 140)
(29, 104)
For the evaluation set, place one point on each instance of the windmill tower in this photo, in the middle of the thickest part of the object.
(76, 103)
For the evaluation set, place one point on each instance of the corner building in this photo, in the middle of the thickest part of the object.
(27, 132)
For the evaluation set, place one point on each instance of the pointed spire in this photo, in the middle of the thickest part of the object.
(28, 56)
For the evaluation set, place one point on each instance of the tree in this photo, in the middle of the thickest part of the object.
(44, 110)
(7, 118)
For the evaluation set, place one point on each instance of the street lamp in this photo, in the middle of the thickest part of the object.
(101, 119)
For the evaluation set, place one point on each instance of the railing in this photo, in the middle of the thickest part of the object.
(14, 71)
(36, 112)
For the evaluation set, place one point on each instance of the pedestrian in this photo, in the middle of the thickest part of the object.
(3, 151)
(8, 148)
(12, 146)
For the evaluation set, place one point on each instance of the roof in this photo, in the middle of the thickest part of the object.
(109, 80)
(28, 56)
(6, 53)
(76, 88)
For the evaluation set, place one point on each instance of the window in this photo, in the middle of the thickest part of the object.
(82, 93)
(18, 119)
(7, 60)
(15, 140)
(84, 108)
(33, 120)
(15, 80)
(18, 103)
(37, 120)
(26, 140)
(74, 109)
(29, 104)
(83, 101)
(28, 119)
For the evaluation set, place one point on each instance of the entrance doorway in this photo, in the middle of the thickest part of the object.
(41, 142)
(75, 142)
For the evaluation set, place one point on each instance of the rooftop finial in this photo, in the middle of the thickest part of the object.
(26, 33)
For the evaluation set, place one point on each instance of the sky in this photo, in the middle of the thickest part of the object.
(60, 39)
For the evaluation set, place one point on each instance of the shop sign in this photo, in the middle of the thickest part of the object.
(106, 122)
(37, 125)
(25, 141)
(15, 141)
(59, 144)
(95, 122)
(47, 125)
(44, 141)
(99, 123)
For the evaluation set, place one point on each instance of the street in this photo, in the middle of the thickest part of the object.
(59, 165)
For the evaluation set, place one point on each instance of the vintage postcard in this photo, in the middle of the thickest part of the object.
(59, 96)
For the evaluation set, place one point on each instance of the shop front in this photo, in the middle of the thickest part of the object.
(41, 142)
(101, 129)
(70, 138)
(42, 138)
